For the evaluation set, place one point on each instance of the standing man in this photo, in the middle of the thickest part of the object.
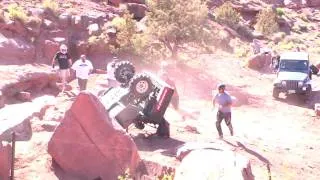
(64, 61)
(110, 72)
(224, 101)
(83, 68)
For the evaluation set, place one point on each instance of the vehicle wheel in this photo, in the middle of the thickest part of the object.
(163, 129)
(141, 86)
(275, 93)
(314, 69)
(124, 71)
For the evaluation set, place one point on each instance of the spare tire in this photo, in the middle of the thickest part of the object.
(124, 71)
(314, 69)
(141, 86)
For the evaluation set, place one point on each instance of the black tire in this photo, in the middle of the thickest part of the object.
(141, 86)
(124, 71)
(275, 93)
(163, 129)
(314, 69)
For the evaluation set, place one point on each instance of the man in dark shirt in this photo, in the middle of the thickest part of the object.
(64, 62)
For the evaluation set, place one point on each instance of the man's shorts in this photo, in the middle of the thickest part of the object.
(64, 74)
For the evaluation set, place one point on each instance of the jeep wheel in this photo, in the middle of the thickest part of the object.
(275, 93)
(141, 86)
(163, 129)
(124, 71)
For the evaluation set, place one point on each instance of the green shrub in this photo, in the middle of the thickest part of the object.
(225, 14)
(51, 5)
(101, 40)
(267, 22)
(280, 12)
(17, 13)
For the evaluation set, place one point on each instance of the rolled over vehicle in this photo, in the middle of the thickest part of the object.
(140, 99)
(293, 75)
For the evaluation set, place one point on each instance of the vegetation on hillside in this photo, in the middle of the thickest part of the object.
(267, 22)
(173, 23)
(17, 12)
(225, 14)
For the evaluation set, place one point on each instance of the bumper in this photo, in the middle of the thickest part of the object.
(300, 90)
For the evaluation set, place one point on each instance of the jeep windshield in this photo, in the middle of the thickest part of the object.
(294, 65)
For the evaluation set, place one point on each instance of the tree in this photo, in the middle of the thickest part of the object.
(173, 23)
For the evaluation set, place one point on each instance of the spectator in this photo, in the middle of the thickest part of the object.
(64, 62)
(83, 68)
(110, 72)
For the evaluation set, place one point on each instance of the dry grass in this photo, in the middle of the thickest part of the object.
(51, 5)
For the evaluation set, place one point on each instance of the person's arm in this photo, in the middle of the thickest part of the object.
(214, 101)
(69, 60)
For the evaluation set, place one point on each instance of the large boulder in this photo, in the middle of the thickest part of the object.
(50, 48)
(259, 61)
(11, 121)
(138, 10)
(93, 29)
(87, 130)
(214, 164)
(15, 49)
(5, 163)
(313, 3)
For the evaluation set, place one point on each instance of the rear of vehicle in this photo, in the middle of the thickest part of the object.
(293, 75)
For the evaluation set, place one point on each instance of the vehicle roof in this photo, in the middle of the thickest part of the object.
(295, 56)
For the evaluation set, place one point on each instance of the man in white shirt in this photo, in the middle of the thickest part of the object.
(83, 68)
(110, 72)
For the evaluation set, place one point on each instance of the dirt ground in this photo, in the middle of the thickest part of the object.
(280, 137)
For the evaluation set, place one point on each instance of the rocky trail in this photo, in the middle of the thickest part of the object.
(279, 137)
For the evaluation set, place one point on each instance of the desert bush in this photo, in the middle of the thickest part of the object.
(34, 21)
(267, 22)
(51, 5)
(280, 12)
(126, 31)
(225, 14)
(101, 40)
(17, 13)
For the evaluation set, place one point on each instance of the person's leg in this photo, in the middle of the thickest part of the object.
(82, 84)
(227, 117)
(218, 123)
(85, 82)
(79, 83)
(63, 78)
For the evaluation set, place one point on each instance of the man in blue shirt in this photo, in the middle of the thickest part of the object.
(224, 101)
